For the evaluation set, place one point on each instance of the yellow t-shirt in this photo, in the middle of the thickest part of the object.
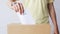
(38, 9)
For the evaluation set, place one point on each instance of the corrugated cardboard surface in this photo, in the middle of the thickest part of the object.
(29, 29)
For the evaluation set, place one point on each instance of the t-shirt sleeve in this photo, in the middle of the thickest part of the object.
(50, 1)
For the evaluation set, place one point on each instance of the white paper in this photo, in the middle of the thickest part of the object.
(26, 18)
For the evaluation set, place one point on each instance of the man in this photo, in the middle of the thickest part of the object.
(40, 11)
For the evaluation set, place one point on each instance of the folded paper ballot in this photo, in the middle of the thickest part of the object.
(26, 17)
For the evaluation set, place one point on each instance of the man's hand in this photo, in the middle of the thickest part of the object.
(18, 7)
(56, 31)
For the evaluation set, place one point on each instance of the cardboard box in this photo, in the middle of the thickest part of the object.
(29, 29)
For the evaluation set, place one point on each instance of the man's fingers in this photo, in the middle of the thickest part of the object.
(17, 8)
(21, 9)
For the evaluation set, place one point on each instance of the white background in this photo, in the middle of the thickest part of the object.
(9, 16)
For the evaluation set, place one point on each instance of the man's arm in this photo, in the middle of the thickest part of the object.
(53, 17)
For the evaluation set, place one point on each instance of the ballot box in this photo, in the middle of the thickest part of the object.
(29, 29)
